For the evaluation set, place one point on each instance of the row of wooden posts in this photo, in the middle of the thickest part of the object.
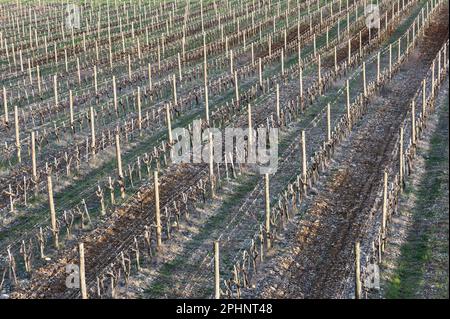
(50, 179)
(94, 77)
(92, 117)
(118, 145)
(391, 198)
(267, 196)
(119, 161)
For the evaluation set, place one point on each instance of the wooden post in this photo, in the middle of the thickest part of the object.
(328, 123)
(385, 185)
(157, 211)
(357, 271)
(319, 72)
(38, 75)
(335, 59)
(424, 97)
(205, 65)
(236, 88)
(301, 83)
(211, 164)
(139, 110)
(364, 79)
(52, 211)
(349, 51)
(16, 126)
(179, 67)
(327, 36)
(95, 80)
(231, 62)
(91, 109)
(5, 106)
(413, 122)
(55, 89)
(378, 67)
(267, 215)
(169, 125)
(216, 271)
(260, 73)
(82, 269)
(253, 54)
(174, 81)
(119, 165)
(115, 94)
(250, 133)
(303, 142)
(314, 45)
(33, 156)
(278, 102)
(400, 173)
(390, 60)
(71, 108)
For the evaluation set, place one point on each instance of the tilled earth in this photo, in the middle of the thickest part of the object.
(319, 262)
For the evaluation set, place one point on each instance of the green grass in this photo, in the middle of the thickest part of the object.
(417, 254)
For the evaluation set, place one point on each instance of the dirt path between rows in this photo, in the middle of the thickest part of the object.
(319, 263)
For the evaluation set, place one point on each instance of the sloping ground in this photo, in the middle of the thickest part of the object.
(416, 258)
(319, 262)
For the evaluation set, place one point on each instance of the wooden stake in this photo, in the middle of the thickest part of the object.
(91, 111)
(115, 94)
(250, 129)
(33, 156)
(278, 102)
(174, 81)
(349, 51)
(267, 218)
(82, 269)
(139, 110)
(260, 73)
(390, 60)
(303, 145)
(5, 106)
(385, 185)
(231, 62)
(400, 173)
(71, 108)
(424, 97)
(211, 165)
(169, 125)
(378, 67)
(119, 157)
(55, 89)
(157, 211)
(236, 87)
(328, 123)
(357, 271)
(205, 71)
(16, 126)
(95, 80)
(52, 211)
(364, 79)
(413, 122)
